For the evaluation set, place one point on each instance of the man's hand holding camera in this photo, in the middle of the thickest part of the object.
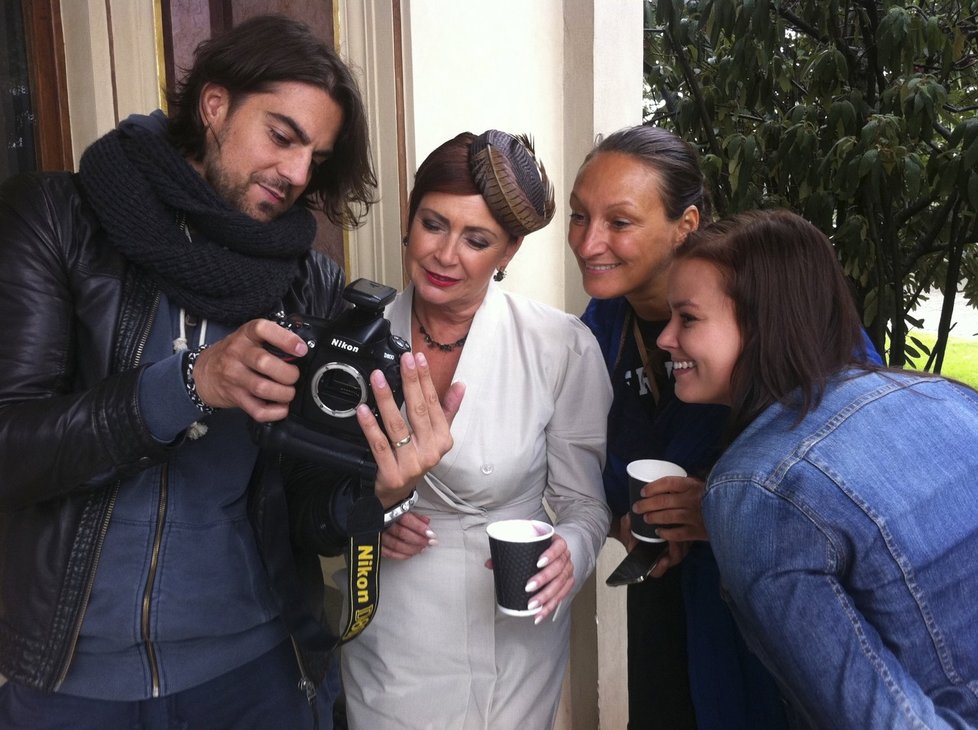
(239, 371)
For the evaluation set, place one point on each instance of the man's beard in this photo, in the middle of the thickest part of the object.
(236, 193)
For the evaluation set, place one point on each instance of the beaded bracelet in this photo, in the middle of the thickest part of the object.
(188, 380)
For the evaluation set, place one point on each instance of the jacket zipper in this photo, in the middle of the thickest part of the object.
(86, 596)
(306, 685)
(104, 527)
(141, 345)
(145, 611)
(154, 669)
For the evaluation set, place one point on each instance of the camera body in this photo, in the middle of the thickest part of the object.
(334, 376)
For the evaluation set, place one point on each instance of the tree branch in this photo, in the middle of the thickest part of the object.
(925, 244)
(799, 24)
(706, 123)
(868, 25)
(909, 212)
(960, 109)
(696, 91)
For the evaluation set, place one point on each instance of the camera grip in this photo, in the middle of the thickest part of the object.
(293, 438)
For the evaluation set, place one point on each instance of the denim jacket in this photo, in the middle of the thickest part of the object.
(848, 547)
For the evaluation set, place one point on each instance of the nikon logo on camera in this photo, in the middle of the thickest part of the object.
(336, 342)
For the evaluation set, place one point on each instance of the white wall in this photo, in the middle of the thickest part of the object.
(472, 66)
(602, 92)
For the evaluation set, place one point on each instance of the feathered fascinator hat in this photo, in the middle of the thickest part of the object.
(512, 181)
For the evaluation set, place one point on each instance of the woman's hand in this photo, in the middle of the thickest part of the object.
(673, 501)
(624, 533)
(405, 450)
(407, 537)
(677, 504)
(554, 582)
(674, 556)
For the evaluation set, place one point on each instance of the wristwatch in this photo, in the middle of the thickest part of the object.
(401, 508)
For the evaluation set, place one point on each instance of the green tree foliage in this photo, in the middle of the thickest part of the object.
(862, 115)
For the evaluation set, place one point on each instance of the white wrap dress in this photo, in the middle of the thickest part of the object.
(531, 427)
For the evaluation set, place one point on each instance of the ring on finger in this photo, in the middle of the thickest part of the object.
(403, 442)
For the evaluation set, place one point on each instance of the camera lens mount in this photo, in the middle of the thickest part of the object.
(338, 388)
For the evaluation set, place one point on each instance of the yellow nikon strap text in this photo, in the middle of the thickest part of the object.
(363, 583)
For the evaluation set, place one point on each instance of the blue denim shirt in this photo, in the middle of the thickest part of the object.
(848, 545)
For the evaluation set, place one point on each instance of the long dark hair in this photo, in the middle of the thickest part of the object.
(674, 161)
(252, 57)
(793, 305)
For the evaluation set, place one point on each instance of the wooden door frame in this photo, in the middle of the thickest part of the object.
(49, 87)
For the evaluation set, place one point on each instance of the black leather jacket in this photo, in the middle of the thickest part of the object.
(73, 317)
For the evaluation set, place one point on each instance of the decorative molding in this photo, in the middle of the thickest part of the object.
(49, 86)
(366, 40)
(159, 37)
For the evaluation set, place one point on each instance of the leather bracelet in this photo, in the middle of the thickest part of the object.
(401, 508)
(188, 380)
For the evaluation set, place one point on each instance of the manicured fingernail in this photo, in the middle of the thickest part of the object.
(430, 534)
(531, 586)
(538, 619)
(544, 560)
(533, 604)
(432, 542)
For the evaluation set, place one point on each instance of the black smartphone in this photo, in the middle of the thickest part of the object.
(638, 564)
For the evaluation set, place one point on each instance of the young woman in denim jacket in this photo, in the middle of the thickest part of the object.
(844, 513)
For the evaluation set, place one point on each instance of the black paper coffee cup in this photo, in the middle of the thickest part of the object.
(515, 546)
(640, 473)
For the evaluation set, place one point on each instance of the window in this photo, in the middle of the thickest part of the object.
(33, 95)
(16, 111)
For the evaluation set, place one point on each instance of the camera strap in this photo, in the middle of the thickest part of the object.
(364, 522)
(363, 583)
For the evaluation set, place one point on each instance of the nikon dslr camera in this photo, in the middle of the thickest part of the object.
(334, 379)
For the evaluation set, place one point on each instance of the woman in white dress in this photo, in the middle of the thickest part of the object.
(531, 429)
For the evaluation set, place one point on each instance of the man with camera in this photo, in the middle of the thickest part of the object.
(157, 568)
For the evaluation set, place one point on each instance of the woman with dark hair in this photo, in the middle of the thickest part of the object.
(844, 512)
(531, 430)
(637, 195)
